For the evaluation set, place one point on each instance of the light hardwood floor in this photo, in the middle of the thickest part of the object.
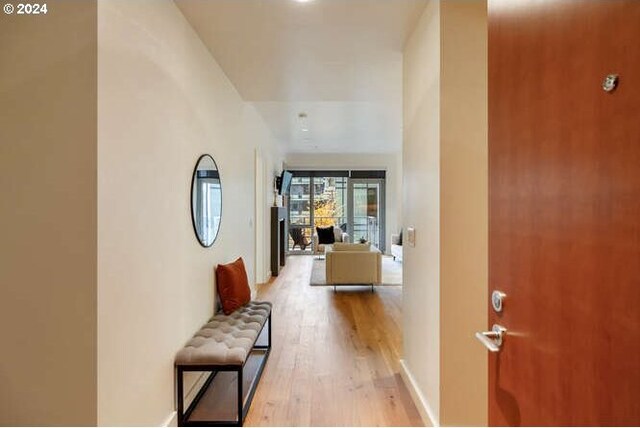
(334, 360)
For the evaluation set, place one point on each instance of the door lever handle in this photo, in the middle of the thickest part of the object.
(492, 339)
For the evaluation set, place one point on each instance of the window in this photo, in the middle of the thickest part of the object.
(350, 200)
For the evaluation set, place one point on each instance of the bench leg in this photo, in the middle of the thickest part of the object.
(180, 387)
(240, 398)
(270, 328)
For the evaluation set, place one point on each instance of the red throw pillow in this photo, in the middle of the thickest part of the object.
(233, 286)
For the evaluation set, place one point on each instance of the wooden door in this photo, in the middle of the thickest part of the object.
(565, 211)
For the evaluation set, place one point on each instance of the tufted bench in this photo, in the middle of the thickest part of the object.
(224, 344)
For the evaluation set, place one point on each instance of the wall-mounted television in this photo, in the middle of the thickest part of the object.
(283, 182)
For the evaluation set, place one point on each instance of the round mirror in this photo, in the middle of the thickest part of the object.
(206, 200)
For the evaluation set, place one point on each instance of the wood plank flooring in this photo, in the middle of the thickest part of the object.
(334, 360)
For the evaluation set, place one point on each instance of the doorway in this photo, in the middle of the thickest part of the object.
(261, 269)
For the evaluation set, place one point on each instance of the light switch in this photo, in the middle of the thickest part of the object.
(411, 236)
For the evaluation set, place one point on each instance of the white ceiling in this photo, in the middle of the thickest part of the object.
(338, 61)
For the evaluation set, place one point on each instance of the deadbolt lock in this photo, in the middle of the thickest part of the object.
(610, 82)
(497, 299)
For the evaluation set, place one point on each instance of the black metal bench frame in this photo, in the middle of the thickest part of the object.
(243, 408)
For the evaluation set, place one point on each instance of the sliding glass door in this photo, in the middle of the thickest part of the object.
(330, 202)
(366, 211)
(334, 198)
(300, 214)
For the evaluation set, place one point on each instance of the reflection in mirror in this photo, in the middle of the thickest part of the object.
(206, 200)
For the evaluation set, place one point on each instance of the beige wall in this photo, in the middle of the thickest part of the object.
(163, 101)
(463, 212)
(445, 157)
(421, 202)
(390, 162)
(48, 216)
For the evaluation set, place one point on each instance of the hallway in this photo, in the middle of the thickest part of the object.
(335, 357)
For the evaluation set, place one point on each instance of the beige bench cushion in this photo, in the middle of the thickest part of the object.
(226, 339)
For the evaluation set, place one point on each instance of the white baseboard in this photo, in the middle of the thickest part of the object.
(196, 387)
(171, 421)
(426, 412)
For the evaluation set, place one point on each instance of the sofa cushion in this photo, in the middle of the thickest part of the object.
(342, 246)
(337, 234)
(233, 286)
(325, 235)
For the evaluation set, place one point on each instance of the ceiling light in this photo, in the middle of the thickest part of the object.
(304, 1)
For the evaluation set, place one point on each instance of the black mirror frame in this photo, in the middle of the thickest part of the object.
(193, 217)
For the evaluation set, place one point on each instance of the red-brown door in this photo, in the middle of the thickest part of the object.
(564, 228)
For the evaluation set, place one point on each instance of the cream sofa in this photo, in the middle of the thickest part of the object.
(338, 235)
(348, 264)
